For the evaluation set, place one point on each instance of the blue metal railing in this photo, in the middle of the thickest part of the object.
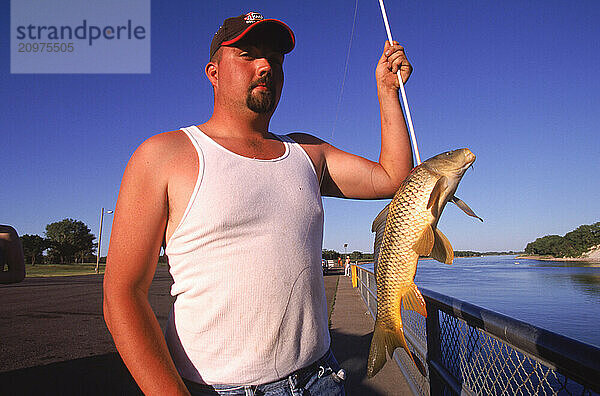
(474, 351)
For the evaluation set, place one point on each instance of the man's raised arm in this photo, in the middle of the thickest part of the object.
(137, 234)
(350, 176)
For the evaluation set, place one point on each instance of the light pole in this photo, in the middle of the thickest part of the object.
(102, 212)
(345, 253)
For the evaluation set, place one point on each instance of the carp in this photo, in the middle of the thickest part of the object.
(409, 224)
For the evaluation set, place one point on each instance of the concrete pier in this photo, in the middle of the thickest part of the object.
(351, 330)
(53, 339)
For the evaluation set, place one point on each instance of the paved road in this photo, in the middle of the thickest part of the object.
(53, 340)
(45, 320)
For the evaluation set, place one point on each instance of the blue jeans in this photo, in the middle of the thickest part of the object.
(321, 378)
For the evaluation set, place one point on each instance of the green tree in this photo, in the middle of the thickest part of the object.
(330, 254)
(546, 245)
(466, 253)
(33, 247)
(356, 255)
(68, 239)
(573, 244)
(581, 239)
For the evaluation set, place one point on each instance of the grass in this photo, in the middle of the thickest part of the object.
(337, 283)
(45, 270)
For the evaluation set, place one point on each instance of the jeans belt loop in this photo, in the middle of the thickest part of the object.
(292, 380)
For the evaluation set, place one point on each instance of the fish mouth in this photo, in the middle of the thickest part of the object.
(469, 159)
(469, 156)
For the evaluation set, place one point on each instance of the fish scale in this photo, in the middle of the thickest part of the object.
(410, 231)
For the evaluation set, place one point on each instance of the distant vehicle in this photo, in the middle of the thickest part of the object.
(328, 265)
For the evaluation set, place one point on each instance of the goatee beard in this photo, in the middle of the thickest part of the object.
(263, 101)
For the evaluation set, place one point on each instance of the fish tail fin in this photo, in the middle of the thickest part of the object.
(385, 341)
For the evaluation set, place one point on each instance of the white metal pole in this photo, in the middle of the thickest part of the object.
(99, 241)
(404, 100)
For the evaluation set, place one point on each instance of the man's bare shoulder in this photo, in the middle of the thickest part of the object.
(314, 146)
(159, 157)
(160, 149)
(163, 143)
(306, 138)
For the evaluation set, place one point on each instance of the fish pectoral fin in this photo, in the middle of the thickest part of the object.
(436, 194)
(464, 207)
(414, 301)
(442, 249)
(425, 242)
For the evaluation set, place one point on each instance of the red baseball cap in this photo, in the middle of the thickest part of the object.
(236, 28)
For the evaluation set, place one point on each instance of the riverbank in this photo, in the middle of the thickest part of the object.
(590, 257)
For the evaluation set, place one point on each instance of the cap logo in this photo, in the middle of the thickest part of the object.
(252, 17)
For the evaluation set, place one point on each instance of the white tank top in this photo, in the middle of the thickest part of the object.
(246, 261)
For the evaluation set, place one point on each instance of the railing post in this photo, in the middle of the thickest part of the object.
(434, 352)
(368, 282)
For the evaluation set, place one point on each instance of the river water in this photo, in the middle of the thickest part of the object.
(557, 296)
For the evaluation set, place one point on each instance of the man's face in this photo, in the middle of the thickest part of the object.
(254, 71)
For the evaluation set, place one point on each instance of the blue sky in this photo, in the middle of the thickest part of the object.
(516, 82)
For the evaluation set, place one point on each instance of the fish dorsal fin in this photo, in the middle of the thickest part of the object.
(425, 242)
(442, 249)
(464, 207)
(381, 217)
(436, 194)
(414, 301)
(378, 228)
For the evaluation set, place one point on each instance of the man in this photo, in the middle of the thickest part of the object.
(240, 213)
